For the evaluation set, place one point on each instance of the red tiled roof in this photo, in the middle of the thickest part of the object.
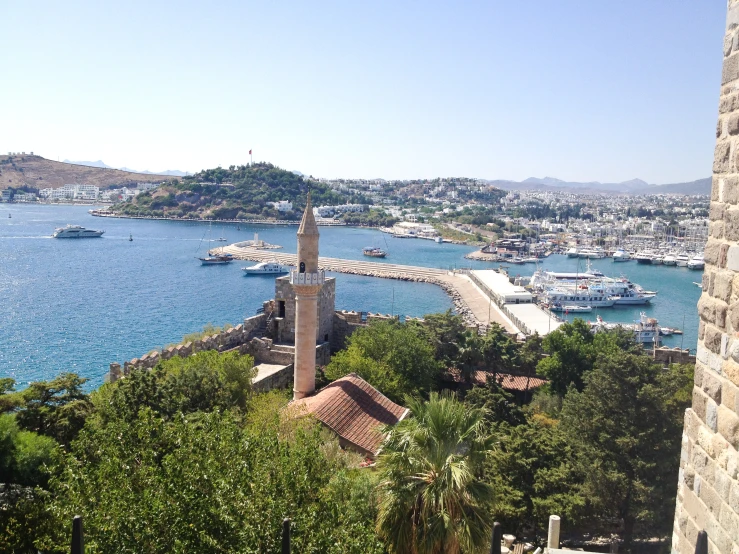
(354, 410)
(509, 381)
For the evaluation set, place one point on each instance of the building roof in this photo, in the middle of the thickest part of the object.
(308, 223)
(508, 381)
(354, 410)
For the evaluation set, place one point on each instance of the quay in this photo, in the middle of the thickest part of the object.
(477, 300)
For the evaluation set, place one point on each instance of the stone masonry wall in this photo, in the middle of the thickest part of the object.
(708, 489)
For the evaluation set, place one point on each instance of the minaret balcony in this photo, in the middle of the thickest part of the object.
(297, 278)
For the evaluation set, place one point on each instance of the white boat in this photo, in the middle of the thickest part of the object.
(438, 240)
(621, 256)
(267, 268)
(697, 262)
(592, 253)
(643, 257)
(76, 232)
(575, 297)
(657, 260)
(646, 330)
(681, 260)
(573, 253)
(669, 259)
(219, 259)
(571, 309)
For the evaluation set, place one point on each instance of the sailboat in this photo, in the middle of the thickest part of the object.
(214, 259)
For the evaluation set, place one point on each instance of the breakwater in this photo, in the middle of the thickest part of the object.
(468, 300)
(106, 213)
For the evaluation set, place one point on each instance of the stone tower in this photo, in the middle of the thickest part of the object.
(306, 280)
(708, 490)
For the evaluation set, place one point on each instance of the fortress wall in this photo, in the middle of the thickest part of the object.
(708, 489)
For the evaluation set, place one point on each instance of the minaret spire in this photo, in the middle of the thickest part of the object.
(308, 241)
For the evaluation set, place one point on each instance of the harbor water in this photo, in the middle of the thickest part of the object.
(77, 305)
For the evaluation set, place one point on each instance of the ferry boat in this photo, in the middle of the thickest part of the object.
(374, 252)
(621, 255)
(575, 297)
(267, 268)
(219, 259)
(697, 262)
(645, 329)
(76, 232)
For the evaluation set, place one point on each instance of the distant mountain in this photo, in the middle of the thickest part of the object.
(633, 186)
(100, 163)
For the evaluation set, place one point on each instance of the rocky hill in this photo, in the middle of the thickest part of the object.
(37, 172)
(632, 187)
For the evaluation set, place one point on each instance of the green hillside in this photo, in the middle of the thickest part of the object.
(239, 192)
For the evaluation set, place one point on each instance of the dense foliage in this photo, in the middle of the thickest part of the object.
(186, 458)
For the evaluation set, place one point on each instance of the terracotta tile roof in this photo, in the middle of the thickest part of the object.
(354, 410)
(509, 381)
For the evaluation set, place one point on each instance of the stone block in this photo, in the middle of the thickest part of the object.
(732, 258)
(729, 72)
(701, 330)
(716, 229)
(711, 252)
(689, 477)
(728, 43)
(730, 190)
(728, 395)
(722, 287)
(699, 405)
(698, 375)
(707, 309)
(711, 423)
(728, 425)
(731, 225)
(730, 368)
(712, 386)
(710, 498)
(729, 522)
(721, 157)
(727, 104)
(712, 340)
(721, 484)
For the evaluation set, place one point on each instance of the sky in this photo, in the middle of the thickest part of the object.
(575, 89)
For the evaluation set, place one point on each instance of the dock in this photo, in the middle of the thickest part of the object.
(476, 304)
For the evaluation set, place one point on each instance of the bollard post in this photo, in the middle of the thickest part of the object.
(553, 536)
(78, 539)
(286, 536)
(497, 537)
(701, 544)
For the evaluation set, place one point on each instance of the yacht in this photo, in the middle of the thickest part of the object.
(669, 259)
(575, 297)
(267, 268)
(657, 259)
(643, 257)
(697, 262)
(646, 329)
(374, 252)
(571, 309)
(218, 259)
(573, 253)
(592, 253)
(682, 259)
(75, 232)
(621, 255)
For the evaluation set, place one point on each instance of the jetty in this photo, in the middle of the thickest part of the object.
(474, 299)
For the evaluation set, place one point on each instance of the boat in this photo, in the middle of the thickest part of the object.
(682, 259)
(221, 239)
(621, 255)
(75, 232)
(218, 259)
(643, 257)
(438, 240)
(574, 309)
(697, 262)
(575, 297)
(669, 259)
(698, 284)
(267, 268)
(374, 252)
(657, 260)
(573, 253)
(130, 238)
(646, 329)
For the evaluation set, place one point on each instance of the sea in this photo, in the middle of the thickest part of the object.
(78, 305)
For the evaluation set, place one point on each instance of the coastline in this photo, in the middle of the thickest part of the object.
(282, 222)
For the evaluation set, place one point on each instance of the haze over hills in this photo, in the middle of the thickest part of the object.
(633, 186)
(37, 172)
(100, 163)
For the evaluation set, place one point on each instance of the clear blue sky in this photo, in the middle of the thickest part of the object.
(576, 89)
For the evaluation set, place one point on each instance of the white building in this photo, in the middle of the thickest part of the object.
(71, 192)
(282, 205)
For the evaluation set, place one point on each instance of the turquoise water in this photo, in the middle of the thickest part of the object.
(72, 305)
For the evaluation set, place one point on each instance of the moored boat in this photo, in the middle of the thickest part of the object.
(374, 252)
(669, 259)
(267, 268)
(218, 259)
(697, 262)
(572, 309)
(621, 255)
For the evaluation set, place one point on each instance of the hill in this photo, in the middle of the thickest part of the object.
(242, 192)
(632, 187)
(37, 172)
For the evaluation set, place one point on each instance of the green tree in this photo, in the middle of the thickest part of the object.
(499, 405)
(431, 497)
(394, 357)
(445, 332)
(625, 427)
(499, 350)
(56, 408)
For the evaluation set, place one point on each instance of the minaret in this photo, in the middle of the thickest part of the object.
(306, 281)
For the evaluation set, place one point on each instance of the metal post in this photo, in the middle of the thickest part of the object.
(286, 536)
(78, 538)
(701, 544)
(553, 535)
(497, 537)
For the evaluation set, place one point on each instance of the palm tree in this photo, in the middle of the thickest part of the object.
(431, 498)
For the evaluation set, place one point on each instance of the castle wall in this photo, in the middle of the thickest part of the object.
(708, 489)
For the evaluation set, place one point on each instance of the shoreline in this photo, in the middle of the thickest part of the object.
(280, 222)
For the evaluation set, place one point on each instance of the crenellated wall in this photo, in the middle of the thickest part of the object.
(708, 489)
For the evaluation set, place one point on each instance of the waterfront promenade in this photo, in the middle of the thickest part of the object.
(471, 302)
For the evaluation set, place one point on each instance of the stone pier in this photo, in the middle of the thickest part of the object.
(708, 489)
